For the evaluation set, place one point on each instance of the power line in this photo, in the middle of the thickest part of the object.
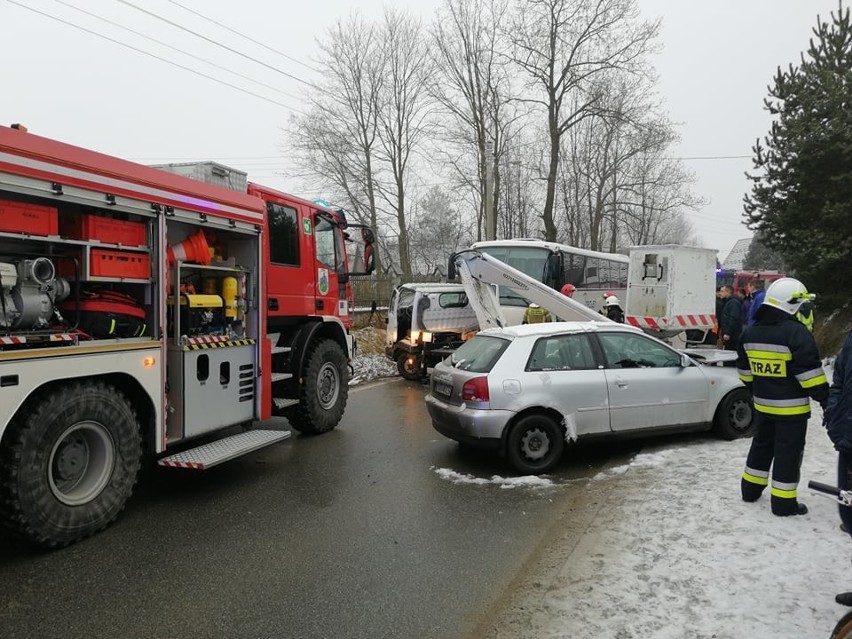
(174, 48)
(218, 44)
(242, 35)
(161, 59)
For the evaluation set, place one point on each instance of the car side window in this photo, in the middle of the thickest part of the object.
(624, 350)
(562, 353)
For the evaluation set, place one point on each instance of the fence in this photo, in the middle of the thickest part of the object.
(372, 294)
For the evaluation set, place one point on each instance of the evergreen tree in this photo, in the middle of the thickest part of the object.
(801, 197)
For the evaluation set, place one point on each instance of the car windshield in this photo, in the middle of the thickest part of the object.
(479, 354)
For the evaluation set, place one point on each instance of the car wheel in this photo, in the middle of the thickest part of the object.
(409, 366)
(535, 444)
(735, 415)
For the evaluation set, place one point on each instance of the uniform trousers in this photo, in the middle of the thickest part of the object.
(779, 444)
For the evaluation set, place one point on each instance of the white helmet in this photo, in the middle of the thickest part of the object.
(787, 294)
(612, 300)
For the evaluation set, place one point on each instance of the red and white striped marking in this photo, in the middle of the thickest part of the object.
(699, 321)
(169, 463)
(13, 340)
(62, 337)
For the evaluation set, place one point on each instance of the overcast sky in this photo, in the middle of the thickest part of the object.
(716, 61)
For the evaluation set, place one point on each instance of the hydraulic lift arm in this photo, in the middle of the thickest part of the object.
(479, 271)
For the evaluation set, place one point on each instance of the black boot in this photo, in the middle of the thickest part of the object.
(800, 509)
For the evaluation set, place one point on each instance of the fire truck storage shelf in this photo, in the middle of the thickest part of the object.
(88, 226)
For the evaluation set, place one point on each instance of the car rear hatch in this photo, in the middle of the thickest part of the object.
(463, 377)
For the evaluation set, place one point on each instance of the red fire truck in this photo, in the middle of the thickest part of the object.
(142, 310)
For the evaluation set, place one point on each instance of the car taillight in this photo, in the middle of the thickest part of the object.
(475, 390)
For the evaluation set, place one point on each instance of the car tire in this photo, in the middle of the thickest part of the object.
(535, 444)
(735, 415)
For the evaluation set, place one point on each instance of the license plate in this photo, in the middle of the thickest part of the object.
(443, 389)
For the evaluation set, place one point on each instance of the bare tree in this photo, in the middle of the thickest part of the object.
(563, 46)
(402, 113)
(471, 86)
(337, 138)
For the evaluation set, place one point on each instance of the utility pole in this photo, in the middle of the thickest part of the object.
(490, 221)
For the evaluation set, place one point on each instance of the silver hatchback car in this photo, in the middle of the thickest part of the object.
(527, 390)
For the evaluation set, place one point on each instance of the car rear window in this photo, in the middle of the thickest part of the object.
(479, 354)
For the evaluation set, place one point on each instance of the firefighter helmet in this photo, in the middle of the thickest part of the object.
(568, 290)
(612, 300)
(787, 294)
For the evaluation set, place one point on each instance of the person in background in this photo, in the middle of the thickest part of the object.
(779, 362)
(613, 310)
(755, 290)
(535, 314)
(837, 419)
(806, 315)
(731, 324)
(745, 298)
(568, 290)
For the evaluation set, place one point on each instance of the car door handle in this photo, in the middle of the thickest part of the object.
(621, 383)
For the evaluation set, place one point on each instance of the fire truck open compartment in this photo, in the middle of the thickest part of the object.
(59, 257)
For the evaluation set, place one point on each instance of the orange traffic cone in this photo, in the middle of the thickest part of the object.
(192, 249)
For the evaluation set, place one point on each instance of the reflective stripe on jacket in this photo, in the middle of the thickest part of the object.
(779, 361)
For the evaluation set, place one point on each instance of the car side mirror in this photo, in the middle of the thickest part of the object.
(685, 361)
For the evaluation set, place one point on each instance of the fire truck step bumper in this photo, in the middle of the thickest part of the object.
(223, 449)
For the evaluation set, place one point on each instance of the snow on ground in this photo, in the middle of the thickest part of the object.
(673, 552)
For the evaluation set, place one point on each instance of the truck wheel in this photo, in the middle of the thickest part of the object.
(735, 415)
(409, 366)
(325, 391)
(69, 464)
(535, 444)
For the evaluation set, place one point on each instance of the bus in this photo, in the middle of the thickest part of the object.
(593, 273)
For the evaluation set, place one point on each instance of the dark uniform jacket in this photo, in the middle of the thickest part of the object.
(779, 361)
(838, 412)
(732, 319)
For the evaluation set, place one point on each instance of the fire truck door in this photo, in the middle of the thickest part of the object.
(330, 260)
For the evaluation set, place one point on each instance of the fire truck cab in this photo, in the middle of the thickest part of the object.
(146, 311)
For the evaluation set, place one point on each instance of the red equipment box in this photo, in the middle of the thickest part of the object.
(21, 217)
(106, 263)
(87, 226)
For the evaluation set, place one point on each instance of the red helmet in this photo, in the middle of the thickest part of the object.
(568, 290)
(608, 294)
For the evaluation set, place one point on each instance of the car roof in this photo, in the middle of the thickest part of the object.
(558, 328)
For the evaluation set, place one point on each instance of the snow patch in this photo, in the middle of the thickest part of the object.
(527, 481)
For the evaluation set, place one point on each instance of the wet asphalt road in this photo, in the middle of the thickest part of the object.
(349, 534)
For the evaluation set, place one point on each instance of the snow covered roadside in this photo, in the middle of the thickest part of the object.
(674, 552)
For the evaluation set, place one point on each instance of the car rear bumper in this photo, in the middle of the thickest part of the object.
(469, 425)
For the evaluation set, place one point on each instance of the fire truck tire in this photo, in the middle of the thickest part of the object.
(69, 464)
(735, 415)
(325, 391)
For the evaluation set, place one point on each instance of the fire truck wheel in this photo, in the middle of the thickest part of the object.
(735, 416)
(69, 464)
(409, 366)
(325, 391)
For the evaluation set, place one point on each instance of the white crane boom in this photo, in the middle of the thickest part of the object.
(478, 271)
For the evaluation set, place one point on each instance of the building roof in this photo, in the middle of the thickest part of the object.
(736, 257)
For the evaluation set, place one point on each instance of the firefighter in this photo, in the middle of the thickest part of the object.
(613, 309)
(568, 290)
(535, 314)
(778, 360)
(806, 315)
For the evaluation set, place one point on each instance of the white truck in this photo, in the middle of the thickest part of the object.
(671, 290)
(482, 275)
